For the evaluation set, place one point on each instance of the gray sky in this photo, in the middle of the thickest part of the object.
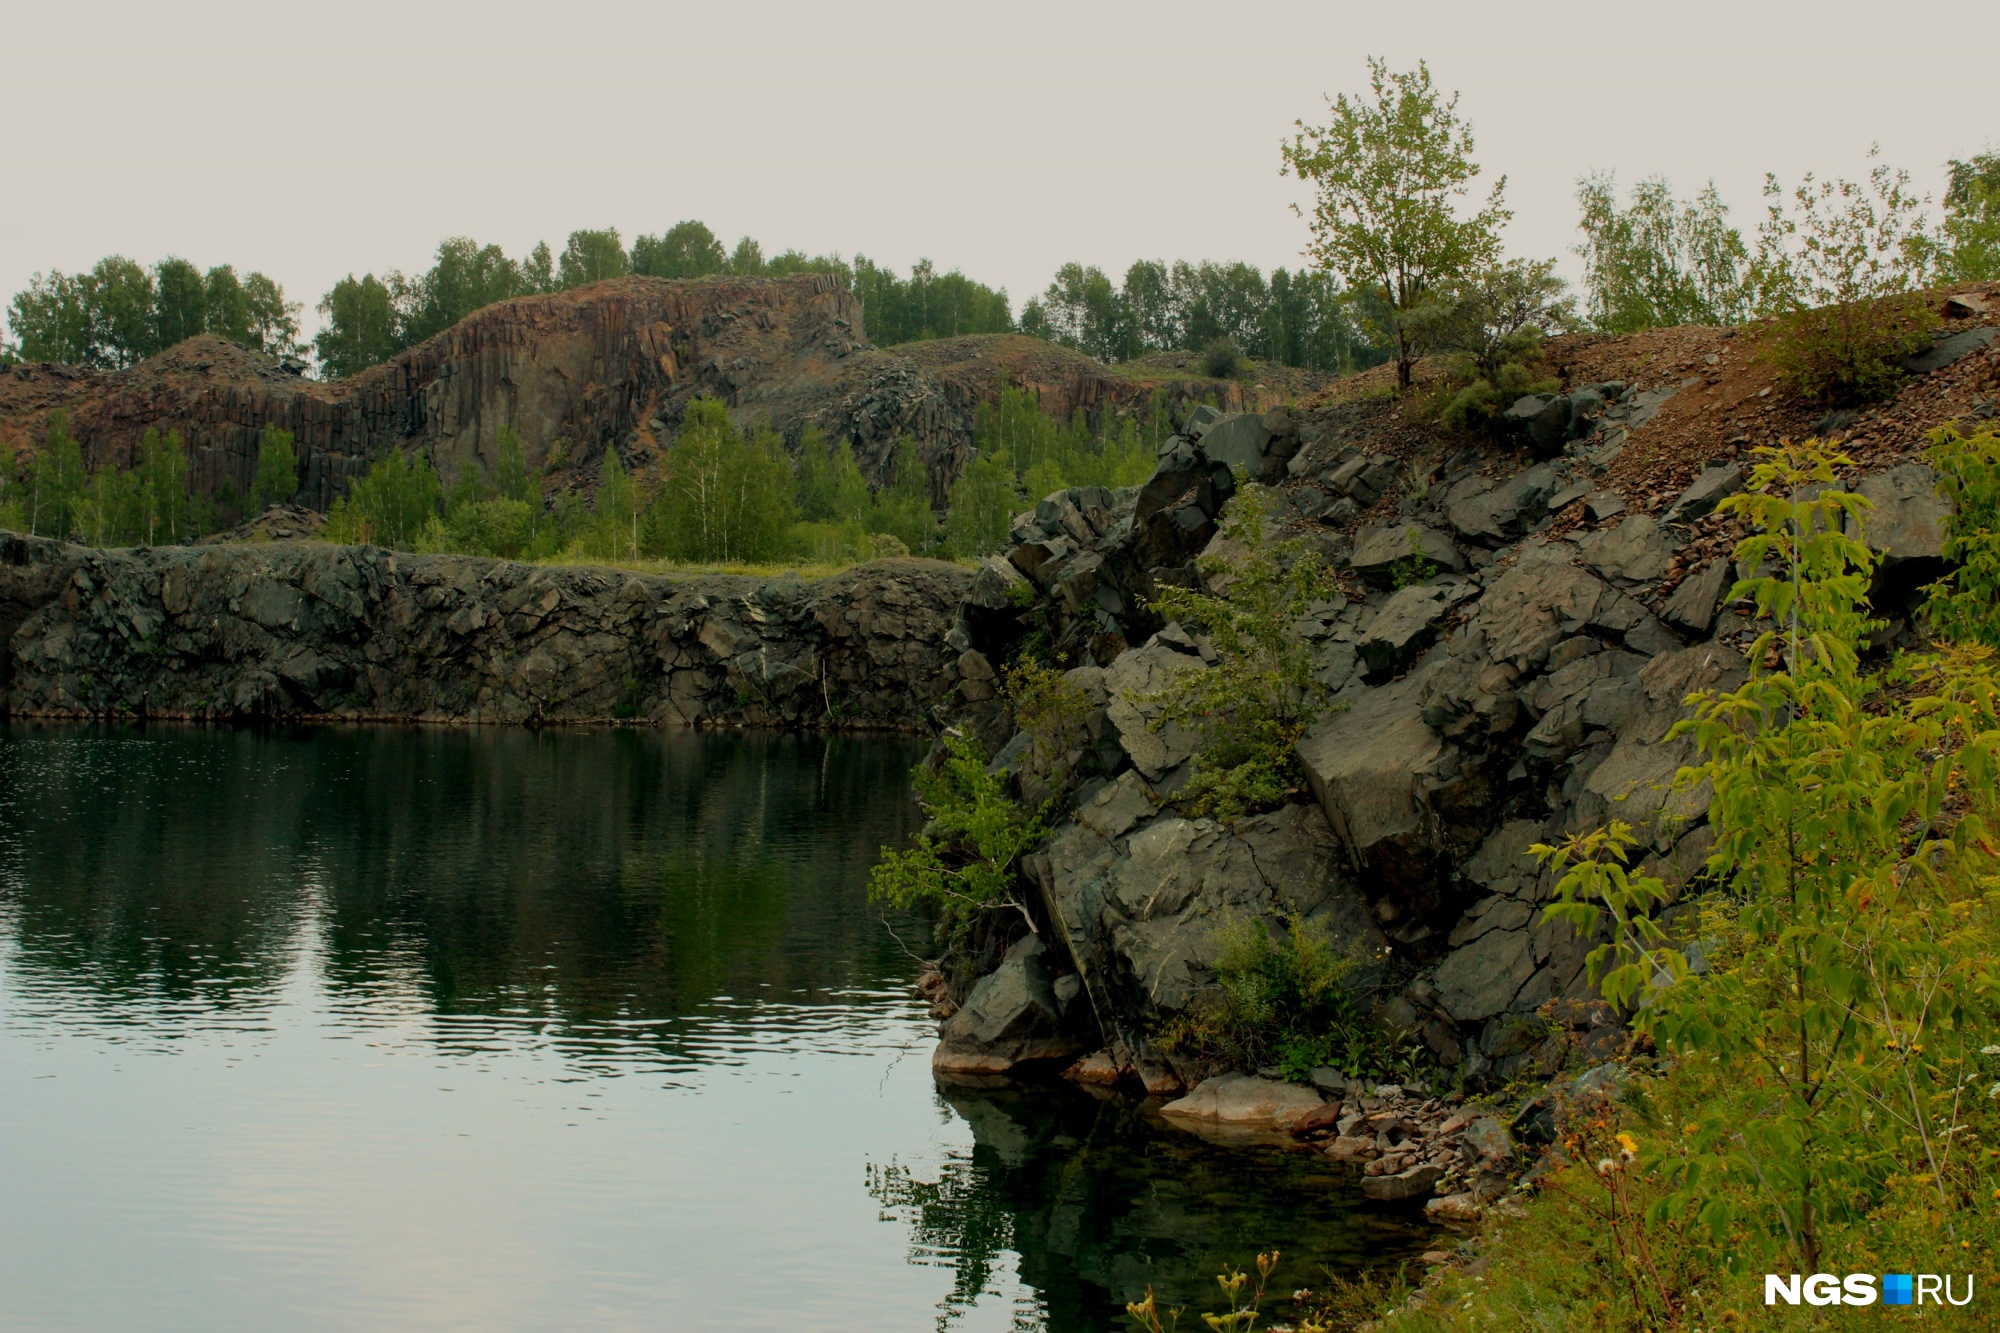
(310, 140)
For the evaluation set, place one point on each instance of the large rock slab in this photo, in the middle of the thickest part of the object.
(1495, 512)
(1240, 440)
(1693, 605)
(1378, 552)
(1132, 681)
(1373, 769)
(1636, 551)
(1144, 909)
(1909, 516)
(1404, 626)
(1239, 1099)
(1715, 484)
(1535, 605)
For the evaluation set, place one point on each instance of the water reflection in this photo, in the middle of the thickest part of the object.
(408, 1028)
(1099, 1201)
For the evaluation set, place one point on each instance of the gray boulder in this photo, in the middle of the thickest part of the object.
(1693, 604)
(1415, 1183)
(1543, 418)
(1405, 625)
(1495, 512)
(1909, 515)
(1715, 484)
(1945, 351)
(1378, 551)
(1636, 551)
(1130, 681)
(1240, 440)
(1535, 605)
(1374, 769)
(1012, 1017)
(1143, 911)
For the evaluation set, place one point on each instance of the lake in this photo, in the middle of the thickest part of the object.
(402, 1028)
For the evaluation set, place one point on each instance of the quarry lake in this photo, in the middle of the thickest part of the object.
(561, 1029)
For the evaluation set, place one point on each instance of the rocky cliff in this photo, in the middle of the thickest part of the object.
(307, 630)
(1519, 629)
(610, 366)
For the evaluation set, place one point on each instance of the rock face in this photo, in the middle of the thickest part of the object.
(299, 629)
(605, 368)
(1494, 686)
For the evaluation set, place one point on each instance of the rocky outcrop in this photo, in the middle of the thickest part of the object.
(606, 368)
(1498, 681)
(301, 629)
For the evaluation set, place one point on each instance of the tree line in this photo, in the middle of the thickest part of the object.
(120, 312)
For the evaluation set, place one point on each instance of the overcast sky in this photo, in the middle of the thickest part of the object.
(311, 140)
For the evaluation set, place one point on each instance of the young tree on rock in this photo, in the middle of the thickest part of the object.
(592, 256)
(1389, 168)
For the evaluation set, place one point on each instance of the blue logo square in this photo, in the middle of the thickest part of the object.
(1898, 1289)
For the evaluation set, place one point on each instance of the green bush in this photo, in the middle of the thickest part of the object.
(1964, 607)
(1252, 705)
(1839, 268)
(1222, 360)
(1280, 1002)
(966, 861)
(725, 497)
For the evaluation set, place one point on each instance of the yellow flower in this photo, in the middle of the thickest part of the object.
(1629, 1144)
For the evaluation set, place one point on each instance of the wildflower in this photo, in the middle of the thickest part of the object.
(1629, 1145)
(1989, 1050)
(1994, 1091)
(1606, 1166)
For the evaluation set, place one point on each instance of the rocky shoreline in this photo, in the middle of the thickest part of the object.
(1513, 644)
(306, 630)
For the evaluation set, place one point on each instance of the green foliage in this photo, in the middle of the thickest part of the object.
(1660, 262)
(277, 477)
(1964, 607)
(1971, 232)
(119, 313)
(1845, 985)
(361, 326)
(831, 487)
(57, 483)
(1840, 268)
(725, 498)
(1221, 360)
(1280, 1001)
(982, 505)
(592, 256)
(1252, 705)
(1291, 319)
(966, 861)
(687, 250)
(1417, 567)
(149, 504)
(390, 505)
(927, 304)
(1389, 169)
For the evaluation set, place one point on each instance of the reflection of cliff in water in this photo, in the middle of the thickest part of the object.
(1100, 1201)
(562, 876)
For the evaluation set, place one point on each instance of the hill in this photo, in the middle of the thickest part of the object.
(611, 365)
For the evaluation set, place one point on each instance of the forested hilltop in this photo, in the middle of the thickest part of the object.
(120, 312)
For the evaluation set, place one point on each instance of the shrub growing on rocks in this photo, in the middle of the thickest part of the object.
(1279, 1001)
(1840, 269)
(1263, 690)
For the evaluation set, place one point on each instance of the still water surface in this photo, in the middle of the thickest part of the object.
(482, 1029)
